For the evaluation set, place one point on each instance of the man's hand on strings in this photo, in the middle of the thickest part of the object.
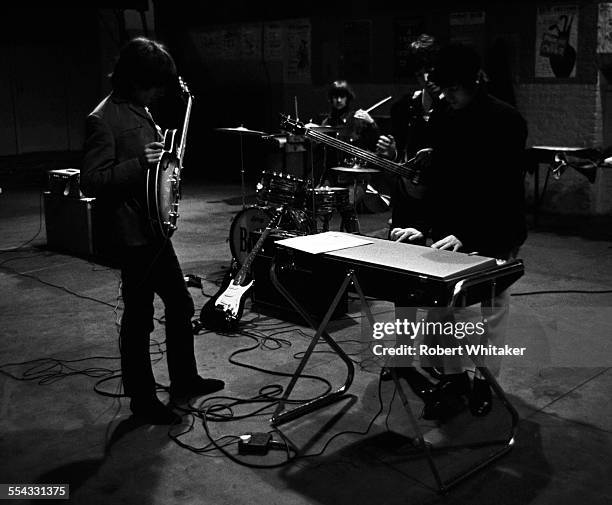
(386, 147)
(153, 152)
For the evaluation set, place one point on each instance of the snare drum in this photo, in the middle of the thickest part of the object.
(276, 189)
(327, 199)
(321, 200)
(242, 237)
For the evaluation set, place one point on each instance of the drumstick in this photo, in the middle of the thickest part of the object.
(384, 100)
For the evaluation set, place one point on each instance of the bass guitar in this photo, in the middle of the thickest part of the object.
(411, 169)
(164, 181)
(224, 310)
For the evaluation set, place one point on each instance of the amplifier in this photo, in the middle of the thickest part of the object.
(69, 224)
(65, 182)
(80, 226)
(313, 289)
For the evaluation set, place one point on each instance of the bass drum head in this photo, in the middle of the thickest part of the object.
(243, 238)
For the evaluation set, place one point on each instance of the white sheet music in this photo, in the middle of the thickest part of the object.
(324, 242)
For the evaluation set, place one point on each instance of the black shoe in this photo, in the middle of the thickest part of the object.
(419, 384)
(481, 399)
(385, 374)
(447, 399)
(152, 411)
(197, 386)
(435, 373)
(456, 383)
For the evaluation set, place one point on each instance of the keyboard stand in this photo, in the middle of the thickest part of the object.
(280, 416)
(420, 445)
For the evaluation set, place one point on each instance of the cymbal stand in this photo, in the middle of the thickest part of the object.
(242, 183)
(313, 186)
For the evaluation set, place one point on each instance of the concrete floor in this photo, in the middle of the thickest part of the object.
(59, 309)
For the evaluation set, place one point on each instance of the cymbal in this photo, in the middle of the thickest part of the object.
(322, 129)
(560, 149)
(355, 169)
(240, 129)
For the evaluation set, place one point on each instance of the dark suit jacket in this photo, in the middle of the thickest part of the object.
(476, 179)
(114, 167)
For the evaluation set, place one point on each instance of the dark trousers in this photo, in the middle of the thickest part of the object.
(147, 270)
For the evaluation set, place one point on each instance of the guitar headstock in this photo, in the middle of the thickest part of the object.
(291, 125)
(184, 88)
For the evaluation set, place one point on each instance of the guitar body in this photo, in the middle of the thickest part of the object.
(163, 188)
(215, 318)
(224, 310)
(163, 185)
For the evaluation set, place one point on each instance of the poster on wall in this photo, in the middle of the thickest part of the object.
(274, 42)
(297, 54)
(468, 28)
(556, 41)
(356, 44)
(250, 42)
(405, 31)
(604, 28)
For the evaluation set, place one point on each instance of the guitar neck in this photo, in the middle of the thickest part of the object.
(183, 143)
(246, 266)
(405, 170)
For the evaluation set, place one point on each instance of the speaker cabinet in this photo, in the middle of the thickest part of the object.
(80, 226)
(69, 224)
(314, 289)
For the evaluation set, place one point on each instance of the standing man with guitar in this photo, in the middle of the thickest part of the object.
(123, 144)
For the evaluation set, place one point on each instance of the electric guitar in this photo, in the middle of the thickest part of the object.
(411, 169)
(164, 180)
(224, 310)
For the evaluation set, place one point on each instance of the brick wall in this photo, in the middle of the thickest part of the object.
(567, 114)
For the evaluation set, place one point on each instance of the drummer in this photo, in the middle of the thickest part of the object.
(356, 127)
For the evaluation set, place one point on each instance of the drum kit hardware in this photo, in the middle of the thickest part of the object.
(241, 130)
(308, 209)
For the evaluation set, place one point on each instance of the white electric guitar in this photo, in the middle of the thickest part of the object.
(224, 310)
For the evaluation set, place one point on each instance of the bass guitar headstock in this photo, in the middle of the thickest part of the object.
(292, 125)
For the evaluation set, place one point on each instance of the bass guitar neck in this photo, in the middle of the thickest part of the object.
(410, 169)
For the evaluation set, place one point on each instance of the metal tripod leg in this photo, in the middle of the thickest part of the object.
(280, 417)
(506, 443)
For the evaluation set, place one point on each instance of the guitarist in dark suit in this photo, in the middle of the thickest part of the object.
(122, 144)
(409, 124)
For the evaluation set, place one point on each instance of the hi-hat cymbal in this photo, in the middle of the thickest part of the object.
(240, 129)
(356, 169)
(322, 129)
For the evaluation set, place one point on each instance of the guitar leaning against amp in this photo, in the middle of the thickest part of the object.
(224, 310)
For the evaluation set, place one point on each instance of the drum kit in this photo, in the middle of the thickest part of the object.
(308, 209)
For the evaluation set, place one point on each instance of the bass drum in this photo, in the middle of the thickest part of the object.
(243, 236)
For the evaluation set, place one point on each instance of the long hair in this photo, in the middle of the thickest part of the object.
(423, 52)
(341, 88)
(143, 64)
